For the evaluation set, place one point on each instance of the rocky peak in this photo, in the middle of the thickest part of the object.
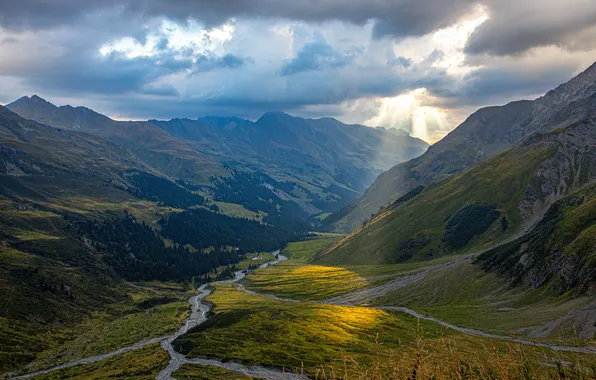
(580, 87)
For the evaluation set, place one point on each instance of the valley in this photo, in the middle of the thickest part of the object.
(291, 247)
(365, 343)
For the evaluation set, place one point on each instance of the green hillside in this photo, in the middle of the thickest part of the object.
(474, 210)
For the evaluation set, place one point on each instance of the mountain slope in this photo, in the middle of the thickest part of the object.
(28, 148)
(560, 251)
(493, 201)
(153, 145)
(484, 134)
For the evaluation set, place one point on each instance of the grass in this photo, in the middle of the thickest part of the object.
(301, 278)
(144, 363)
(118, 326)
(206, 372)
(466, 296)
(256, 259)
(297, 279)
(305, 282)
(359, 343)
(303, 251)
(255, 329)
(323, 216)
(238, 211)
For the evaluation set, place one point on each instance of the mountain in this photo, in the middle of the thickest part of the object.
(493, 201)
(153, 145)
(328, 162)
(321, 165)
(484, 134)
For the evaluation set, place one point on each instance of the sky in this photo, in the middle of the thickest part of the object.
(419, 65)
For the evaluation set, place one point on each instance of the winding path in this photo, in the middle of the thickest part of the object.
(199, 312)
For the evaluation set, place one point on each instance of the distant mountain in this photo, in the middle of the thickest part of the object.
(156, 147)
(329, 162)
(28, 148)
(484, 134)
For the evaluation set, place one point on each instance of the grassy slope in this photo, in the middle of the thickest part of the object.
(144, 363)
(427, 213)
(466, 296)
(238, 211)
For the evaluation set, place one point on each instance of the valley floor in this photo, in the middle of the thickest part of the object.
(299, 319)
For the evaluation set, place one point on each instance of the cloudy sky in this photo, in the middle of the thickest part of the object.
(419, 65)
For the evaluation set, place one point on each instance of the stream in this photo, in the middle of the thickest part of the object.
(198, 316)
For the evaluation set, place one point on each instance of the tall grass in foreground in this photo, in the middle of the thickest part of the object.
(442, 359)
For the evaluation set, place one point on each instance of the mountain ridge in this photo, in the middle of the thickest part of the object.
(483, 134)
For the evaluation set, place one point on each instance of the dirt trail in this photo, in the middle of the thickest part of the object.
(366, 295)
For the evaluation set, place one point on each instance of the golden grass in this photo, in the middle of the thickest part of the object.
(306, 282)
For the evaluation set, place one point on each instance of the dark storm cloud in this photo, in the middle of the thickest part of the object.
(105, 75)
(396, 18)
(494, 85)
(317, 55)
(516, 26)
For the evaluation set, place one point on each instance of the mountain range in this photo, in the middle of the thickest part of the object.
(503, 208)
(326, 163)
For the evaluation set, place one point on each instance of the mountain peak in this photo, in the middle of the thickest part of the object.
(27, 104)
(38, 98)
(275, 114)
(34, 100)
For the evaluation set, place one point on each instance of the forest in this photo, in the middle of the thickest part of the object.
(136, 252)
(161, 190)
(202, 228)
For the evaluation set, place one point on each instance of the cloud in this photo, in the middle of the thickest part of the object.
(341, 58)
(395, 18)
(517, 26)
(229, 61)
(401, 61)
(317, 55)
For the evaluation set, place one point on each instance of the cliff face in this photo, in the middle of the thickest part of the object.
(559, 252)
